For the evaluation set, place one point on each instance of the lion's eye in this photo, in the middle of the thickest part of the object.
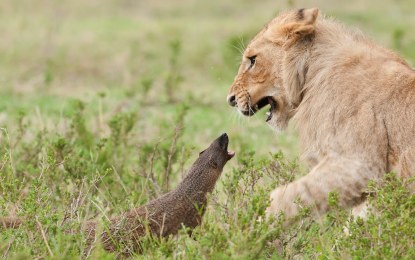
(252, 59)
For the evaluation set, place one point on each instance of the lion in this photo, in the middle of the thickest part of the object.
(352, 101)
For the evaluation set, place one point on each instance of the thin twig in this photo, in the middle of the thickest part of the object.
(9, 150)
(4, 256)
(153, 154)
(172, 151)
(44, 236)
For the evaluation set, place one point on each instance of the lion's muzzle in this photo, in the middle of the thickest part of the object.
(231, 100)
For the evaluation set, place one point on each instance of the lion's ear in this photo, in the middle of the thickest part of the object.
(309, 16)
(301, 24)
(307, 19)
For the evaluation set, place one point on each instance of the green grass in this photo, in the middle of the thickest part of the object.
(98, 95)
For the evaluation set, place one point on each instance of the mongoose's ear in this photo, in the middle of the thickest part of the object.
(202, 152)
(300, 25)
(213, 163)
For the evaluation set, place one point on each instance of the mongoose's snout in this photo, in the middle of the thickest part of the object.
(223, 142)
(217, 154)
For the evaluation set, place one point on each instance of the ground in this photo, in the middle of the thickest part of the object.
(105, 104)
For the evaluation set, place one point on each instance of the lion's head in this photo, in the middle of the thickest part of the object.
(262, 78)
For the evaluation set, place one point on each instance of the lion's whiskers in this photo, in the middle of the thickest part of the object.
(237, 117)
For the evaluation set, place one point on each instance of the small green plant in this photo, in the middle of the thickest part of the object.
(79, 130)
(389, 229)
(398, 36)
(174, 76)
(48, 74)
(146, 84)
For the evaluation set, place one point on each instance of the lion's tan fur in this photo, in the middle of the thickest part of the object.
(352, 101)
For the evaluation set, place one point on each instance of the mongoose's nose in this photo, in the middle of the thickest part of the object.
(223, 141)
(224, 137)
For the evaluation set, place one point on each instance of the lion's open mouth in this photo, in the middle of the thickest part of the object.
(261, 104)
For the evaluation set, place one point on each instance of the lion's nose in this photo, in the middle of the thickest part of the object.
(232, 100)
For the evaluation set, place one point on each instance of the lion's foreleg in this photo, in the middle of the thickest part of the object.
(348, 178)
(406, 167)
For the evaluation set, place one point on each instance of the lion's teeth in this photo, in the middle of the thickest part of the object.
(268, 113)
(256, 107)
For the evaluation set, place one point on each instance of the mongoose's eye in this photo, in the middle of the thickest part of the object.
(252, 59)
(213, 164)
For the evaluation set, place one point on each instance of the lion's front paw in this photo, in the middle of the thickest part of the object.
(282, 201)
(275, 205)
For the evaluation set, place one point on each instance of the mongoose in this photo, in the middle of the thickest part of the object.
(183, 206)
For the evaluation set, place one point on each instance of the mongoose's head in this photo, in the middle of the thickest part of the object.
(216, 155)
(207, 168)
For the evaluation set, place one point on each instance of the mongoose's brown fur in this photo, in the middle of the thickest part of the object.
(183, 206)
